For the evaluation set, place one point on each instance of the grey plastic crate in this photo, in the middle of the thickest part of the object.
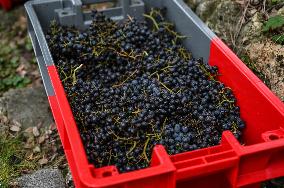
(70, 13)
(40, 13)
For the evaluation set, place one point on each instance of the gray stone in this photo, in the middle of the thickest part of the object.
(206, 8)
(220, 15)
(28, 106)
(192, 3)
(252, 31)
(45, 178)
(224, 19)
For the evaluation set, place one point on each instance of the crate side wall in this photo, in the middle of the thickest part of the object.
(258, 111)
(45, 13)
(198, 36)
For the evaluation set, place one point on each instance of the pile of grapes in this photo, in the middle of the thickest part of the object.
(132, 85)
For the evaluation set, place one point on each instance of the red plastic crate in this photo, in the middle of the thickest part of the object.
(6, 4)
(9, 4)
(228, 165)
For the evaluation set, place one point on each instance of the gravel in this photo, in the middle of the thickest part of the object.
(45, 178)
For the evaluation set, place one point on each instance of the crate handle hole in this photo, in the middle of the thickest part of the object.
(64, 13)
(107, 174)
(273, 137)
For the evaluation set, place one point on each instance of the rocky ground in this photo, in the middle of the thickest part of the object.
(31, 154)
(29, 140)
(28, 137)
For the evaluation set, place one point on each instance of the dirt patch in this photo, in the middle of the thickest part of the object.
(269, 59)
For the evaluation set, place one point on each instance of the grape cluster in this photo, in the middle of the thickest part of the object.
(132, 85)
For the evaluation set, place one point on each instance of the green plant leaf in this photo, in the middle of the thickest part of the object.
(276, 1)
(279, 39)
(8, 81)
(14, 81)
(275, 22)
(15, 61)
(5, 50)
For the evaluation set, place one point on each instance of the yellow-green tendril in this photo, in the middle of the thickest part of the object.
(144, 149)
(74, 75)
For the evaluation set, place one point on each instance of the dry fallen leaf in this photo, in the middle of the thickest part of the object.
(15, 128)
(16, 123)
(41, 139)
(241, 2)
(14, 183)
(43, 161)
(36, 131)
(29, 130)
(36, 149)
(21, 70)
(52, 127)
(29, 143)
(4, 119)
(49, 132)
(31, 156)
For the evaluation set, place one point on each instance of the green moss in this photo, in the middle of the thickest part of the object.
(12, 160)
